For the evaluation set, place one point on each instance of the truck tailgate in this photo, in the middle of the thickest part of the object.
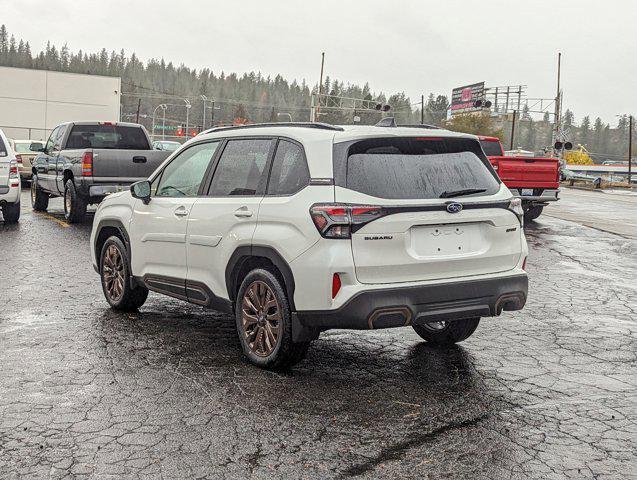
(528, 172)
(126, 164)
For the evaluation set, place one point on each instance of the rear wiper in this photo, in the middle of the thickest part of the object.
(459, 193)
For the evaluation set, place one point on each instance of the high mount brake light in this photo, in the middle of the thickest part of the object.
(334, 220)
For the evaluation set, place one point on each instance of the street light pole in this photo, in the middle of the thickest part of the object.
(188, 105)
(203, 116)
(163, 106)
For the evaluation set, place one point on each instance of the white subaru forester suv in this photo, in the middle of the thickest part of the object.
(9, 182)
(303, 227)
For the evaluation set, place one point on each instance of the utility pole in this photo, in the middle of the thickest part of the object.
(139, 105)
(422, 109)
(318, 107)
(556, 130)
(515, 112)
(630, 148)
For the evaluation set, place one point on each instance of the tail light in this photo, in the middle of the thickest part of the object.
(334, 220)
(13, 169)
(515, 205)
(87, 164)
(19, 159)
(336, 285)
(524, 264)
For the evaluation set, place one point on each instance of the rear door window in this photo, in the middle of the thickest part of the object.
(289, 170)
(241, 168)
(418, 168)
(107, 136)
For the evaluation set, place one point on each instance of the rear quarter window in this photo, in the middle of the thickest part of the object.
(3, 149)
(418, 168)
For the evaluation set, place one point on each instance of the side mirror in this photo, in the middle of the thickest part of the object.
(36, 147)
(141, 190)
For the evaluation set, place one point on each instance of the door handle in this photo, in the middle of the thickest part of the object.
(181, 212)
(242, 212)
(139, 159)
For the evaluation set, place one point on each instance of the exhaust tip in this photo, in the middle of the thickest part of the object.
(389, 317)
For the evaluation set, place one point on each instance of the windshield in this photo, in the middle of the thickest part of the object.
(419, 168)
(107, 136)
(491, 148)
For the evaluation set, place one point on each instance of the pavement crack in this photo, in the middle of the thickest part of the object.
(399, 450)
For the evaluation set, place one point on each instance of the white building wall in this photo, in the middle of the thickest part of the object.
(33, 102)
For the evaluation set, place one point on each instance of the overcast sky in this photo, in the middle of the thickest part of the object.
(416, 46)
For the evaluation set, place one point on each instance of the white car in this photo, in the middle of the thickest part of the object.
(9, 182)
(301, 228)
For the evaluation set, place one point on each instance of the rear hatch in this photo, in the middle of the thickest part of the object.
(127, 165)
(119, 151)
(528, 172)
(416, 236)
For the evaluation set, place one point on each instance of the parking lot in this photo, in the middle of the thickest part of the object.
(547, 392)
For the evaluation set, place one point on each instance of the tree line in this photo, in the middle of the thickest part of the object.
(253, 97)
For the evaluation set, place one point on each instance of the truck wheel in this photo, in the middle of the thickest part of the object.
(447, 333)
(264, 323)
(532, 213)
(39, 199)
(11, 212)
(74, 205)
(115, 275)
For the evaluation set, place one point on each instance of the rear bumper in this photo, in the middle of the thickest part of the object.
(401, 306)
(103, 190)
(540, 195)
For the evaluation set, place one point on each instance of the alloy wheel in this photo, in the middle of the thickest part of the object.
(67, 201)
(33, 192)
(113, 273)
(261, 318)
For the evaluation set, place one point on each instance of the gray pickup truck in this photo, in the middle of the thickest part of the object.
(85, 161)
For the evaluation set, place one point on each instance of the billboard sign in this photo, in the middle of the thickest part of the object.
(463, 98)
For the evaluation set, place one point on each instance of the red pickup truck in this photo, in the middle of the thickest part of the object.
(536, 180)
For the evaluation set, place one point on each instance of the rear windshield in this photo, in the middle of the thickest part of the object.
(419, 168)
(22, 147)
(108, 137)
(491, 148)
(3, 149)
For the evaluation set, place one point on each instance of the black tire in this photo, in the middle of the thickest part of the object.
(74, 204)
(11, 212)
(285, 352)
(129, 299)
(533, 212)
(39, 199)
(453, 332)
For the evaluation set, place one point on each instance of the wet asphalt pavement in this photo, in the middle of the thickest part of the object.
(548, 392)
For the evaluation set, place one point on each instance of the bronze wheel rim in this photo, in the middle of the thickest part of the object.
(260, 318)
(113, 273)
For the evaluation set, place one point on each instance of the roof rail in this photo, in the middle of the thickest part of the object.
(317, 125)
